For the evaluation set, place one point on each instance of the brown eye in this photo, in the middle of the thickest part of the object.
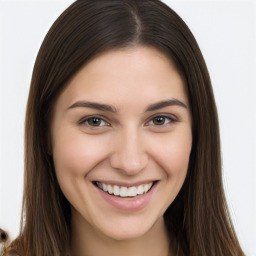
(94, 121)
(159, 120)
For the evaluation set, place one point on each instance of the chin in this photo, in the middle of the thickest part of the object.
(124, 235)
(129, 228)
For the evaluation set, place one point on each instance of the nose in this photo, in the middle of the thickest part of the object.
(129, 153)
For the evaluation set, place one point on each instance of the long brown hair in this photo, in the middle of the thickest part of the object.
(199, 215)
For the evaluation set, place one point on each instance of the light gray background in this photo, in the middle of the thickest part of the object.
(226, 33)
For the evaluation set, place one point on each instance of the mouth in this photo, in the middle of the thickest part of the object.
(125, 191)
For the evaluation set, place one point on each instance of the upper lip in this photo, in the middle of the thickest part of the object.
(125, 184)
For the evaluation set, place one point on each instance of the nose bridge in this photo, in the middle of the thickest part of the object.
(129, 154)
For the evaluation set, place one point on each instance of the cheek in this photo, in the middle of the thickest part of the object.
(76, 154)
(173, 153)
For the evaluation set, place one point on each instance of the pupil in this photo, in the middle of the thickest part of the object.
(159, 120)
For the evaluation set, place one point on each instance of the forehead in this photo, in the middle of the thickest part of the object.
(126, 76)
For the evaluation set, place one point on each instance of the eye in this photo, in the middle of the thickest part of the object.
(94, 122)
(161, 120)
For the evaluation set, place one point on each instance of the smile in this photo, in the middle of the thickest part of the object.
(123, 191)
(127, 197)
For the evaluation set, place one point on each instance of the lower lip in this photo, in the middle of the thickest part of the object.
(128, 204)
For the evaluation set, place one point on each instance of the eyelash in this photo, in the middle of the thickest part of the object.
(88, 119)
(164, 117)
(101, 119)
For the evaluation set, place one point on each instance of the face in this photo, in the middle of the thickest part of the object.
(121, 141)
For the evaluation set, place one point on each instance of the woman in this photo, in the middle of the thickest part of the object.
(122, 148)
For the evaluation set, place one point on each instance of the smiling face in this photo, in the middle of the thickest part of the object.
(121, 141)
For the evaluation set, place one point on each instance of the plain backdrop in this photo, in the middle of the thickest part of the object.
(226, 33)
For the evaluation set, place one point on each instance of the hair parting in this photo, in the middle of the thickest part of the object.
(199, 215)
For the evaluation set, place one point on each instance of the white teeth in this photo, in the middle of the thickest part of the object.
(125, 191)
(110, 189)
(146, 188)
(105, 187)
(140, 190)
(132, 191)
(116, 191)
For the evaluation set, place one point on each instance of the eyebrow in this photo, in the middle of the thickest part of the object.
(165, 103)
(94, 105)
(112, 109)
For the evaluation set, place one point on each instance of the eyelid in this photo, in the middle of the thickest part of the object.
(82, 121)
(86, 118)
(172, 118)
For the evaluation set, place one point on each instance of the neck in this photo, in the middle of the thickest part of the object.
(88, 242)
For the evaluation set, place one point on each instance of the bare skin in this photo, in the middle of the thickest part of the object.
(124, 123)
(154, 242)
